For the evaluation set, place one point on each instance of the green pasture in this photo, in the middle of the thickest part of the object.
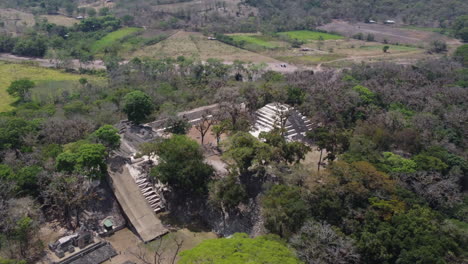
(112, 38)
(49, 82)
(306, 35)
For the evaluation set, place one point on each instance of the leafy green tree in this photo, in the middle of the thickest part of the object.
(281, 150)
(411, 237)
(461, 54)
(245, 150)
(396, 163)
(88, 159)
(227, 192)
(296, 96)
(105, 11)
(385, 48)
(137, 106)
(108, 136)
(240, 249)
(91, 12)
(26, 180)
(429, 163)
(181, 164)
(460, 28)
(30, 46)
(12, 131)
(20, 88)
(218, 129)
(284, 210)
(366, 95)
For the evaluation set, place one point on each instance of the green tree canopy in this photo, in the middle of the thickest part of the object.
(227, 192)
(12, 131)
(137, 106)
(181, 164)
(88, 159)
(284, 210)
(281, 150)
(396, 163)
(20, 88)
(460, 27)
(429, 163)
(245, 150)
(108, 136)
(239, 249)
(415, 236)
(461, 54)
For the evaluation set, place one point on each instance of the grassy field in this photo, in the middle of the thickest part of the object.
(258, 40)
(428, 29)
(305, 35)
(310, 60)
(41, 76)
(112, 38)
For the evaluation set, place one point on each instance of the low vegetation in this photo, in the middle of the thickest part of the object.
(380, 177)
(42, 78)
(113, 38)
(305, 35)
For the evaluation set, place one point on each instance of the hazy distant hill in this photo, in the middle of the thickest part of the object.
(293, 13)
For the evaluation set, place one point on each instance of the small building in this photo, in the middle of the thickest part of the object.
(79, 17)
(389, 22)
(305, 49)
(211, 38)
(371, 21)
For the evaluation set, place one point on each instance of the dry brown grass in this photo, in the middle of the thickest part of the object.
(60, 20)
(15, 21)
(192, 44)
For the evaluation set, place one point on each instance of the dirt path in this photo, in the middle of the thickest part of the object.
(99, 64)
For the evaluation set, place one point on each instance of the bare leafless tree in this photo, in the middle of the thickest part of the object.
(158, 254)
(65, 195)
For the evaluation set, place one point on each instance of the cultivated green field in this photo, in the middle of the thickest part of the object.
(258, 40)
(41, 76)
(112, 38)
(428, 29)
(305, 35)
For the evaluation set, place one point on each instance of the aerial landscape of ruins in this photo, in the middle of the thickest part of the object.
(233, 131)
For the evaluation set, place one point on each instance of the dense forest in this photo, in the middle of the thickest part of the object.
(395, 139)
(390, 184)
(302, 13)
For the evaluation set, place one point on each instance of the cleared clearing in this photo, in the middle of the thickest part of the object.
(15, 21)
(60, 20)
(192, 44)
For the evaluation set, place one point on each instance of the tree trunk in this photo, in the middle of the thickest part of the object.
(320, 160)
